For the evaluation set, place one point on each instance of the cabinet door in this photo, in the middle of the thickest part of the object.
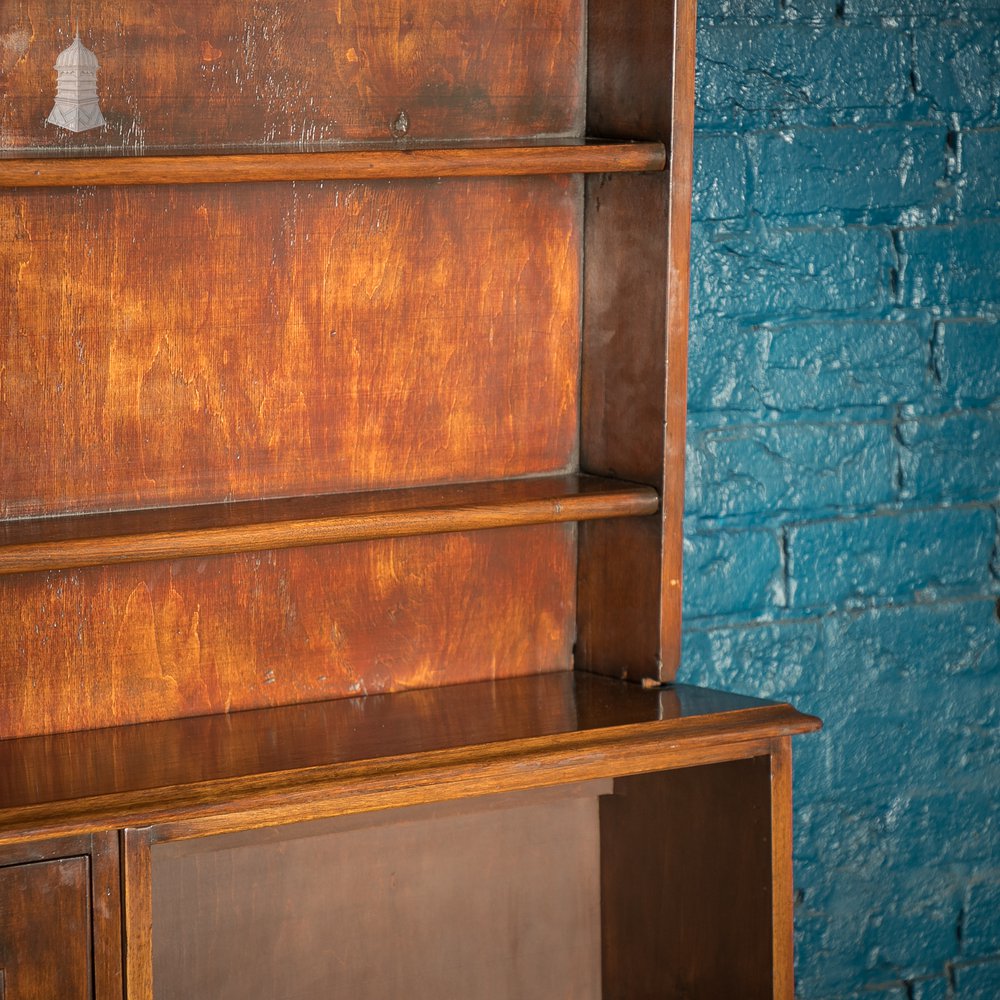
(45, 930)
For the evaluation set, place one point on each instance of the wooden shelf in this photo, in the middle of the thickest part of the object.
(374, 752)
(69, 542)
(583, 158)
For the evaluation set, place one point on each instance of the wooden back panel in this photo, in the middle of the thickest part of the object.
(205, 343)
(214, 76)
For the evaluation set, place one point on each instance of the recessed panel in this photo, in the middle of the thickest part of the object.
(486, 901)
(115, 645)
(206, 343)
(291, 72)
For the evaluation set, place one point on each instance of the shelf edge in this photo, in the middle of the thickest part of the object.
(614, 501)
(596, 157)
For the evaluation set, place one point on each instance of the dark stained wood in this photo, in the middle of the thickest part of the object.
(581, 158)
(45, 930)
(137, 915)
(277, 340)
(635, 332)
(101, 900)
(375, 752)
(686, 883)
(289, 73)
(38, 544)
(113, 645)
(485, 899)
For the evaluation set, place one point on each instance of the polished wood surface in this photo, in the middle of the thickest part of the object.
(45, 930)
(36, 544)
(113, 645)
(363, 753)
(221, 74)
(583, 158)
(80, 878)
(276, 341)
(635, 333)
(783, 883)
(487, 899)
(686, 883)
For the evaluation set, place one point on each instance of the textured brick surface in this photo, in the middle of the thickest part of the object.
(842, 544)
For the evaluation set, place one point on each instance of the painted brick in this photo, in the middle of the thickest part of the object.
(917, 644)
(956, 266)
(711, 11)
(981, 928)
(767, 469)
(810, 11)
(953, 457)
(731, 572)
(726, 365)
(766, 660)
(720, 177)
(826, 364)
(913, 928)
(849, 170)
(931, 989)
(794, 67)
(817, 365)
(791, 272)
(967, 358)
(978, 982)
(939, 10)
(958, 69)
(980, 176)
(889, 556)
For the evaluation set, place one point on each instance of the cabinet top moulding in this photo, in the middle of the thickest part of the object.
(215, 774)
(585, 157)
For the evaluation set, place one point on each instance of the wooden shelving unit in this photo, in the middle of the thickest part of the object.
(341, 441)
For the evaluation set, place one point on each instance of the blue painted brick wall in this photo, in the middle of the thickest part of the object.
(843, 490)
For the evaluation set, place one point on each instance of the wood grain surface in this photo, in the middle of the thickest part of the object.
(125, 644)
(190, 73)
(686, 880)
(33, 544)
(198, 344)
(45, 932)
(248, 769)
(490, 161)
(640, 84)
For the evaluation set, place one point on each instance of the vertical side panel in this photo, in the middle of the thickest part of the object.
(686, 863)
(781, 862)
(637, 250)
(137, 898)
(106, 892)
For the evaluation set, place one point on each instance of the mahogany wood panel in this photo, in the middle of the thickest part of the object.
(100, 853)
(29, 545)
(198, 344)
(640, 83)
(583, 157)
(122, 644)
(288, 72)
(232, 771)
(137, 915)
(485, 899)
(45, 937)
(686, 883)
